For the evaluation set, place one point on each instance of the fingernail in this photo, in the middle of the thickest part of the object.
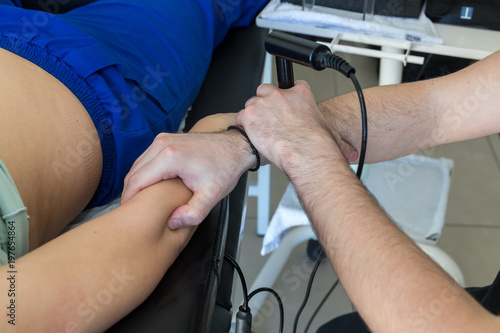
(174, 224)
(353, 156)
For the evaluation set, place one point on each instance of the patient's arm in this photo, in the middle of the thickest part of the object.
(95, 274)
(89, 278)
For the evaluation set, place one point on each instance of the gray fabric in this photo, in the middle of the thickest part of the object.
(14, 226)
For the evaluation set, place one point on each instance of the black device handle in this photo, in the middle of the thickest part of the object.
(289, 48)
(284, 70)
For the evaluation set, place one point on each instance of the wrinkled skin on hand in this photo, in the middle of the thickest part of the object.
(282, 123)
(209, 164)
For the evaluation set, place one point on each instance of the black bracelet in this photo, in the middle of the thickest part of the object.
(254, 150)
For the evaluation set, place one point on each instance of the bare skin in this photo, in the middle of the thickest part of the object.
(121, 255)
(42, 126)
(387, 277)
(392, 283)
(413, 116)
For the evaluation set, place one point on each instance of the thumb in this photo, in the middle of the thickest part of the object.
(190, 214)
(350, 153)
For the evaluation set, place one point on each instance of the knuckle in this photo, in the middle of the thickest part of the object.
(133, 181)
(161, 136)
(249, 102)
(302, 83)
(246, 115)
(127, 179)
(277, 93)
(249, 110)
(261, 88)
(168, 152)
(161, 139)
(302, 88)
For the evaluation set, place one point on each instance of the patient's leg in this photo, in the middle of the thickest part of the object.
(49, 145)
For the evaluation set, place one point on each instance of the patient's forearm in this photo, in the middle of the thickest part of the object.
(90, 277)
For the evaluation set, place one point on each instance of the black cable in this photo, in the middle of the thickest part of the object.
(424, 66)
(278, 298)
(242, 279)
(364, 121)
(244, 309)
(337, 63)
(493, 152)
(364, 138)
(308, 290)
(321, 305)
(314, 55)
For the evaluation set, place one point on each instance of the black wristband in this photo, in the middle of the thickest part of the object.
(254, 150)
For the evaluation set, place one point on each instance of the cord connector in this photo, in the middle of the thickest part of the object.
(333, 61)
(243, 320)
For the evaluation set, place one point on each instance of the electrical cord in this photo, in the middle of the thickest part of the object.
(242, 280)
(278, 299)
(364, 122)
(321, 305)
(330, 60)
(339, 64)
(291, 48)
(423, 67)
(244, 317)
(308, 290)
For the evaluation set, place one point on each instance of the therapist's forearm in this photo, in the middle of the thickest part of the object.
(401, 119)
(392, 283)
(413, 116)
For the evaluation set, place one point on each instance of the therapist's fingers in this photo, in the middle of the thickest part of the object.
(209, 164)
(151, 172)
(250, 101)
(265, 89)
(194, 212)
(159, 143)
(348, 151)
(155, 147)
(262, 90)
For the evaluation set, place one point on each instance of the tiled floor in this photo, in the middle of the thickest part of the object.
(471, 235)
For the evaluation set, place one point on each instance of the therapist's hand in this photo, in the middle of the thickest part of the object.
(210, 165)
(284, 124)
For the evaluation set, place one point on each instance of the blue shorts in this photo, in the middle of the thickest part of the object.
(136, 65)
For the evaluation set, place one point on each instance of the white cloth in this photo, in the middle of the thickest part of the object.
(93, 213)
(413, 190)
(420, 30)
